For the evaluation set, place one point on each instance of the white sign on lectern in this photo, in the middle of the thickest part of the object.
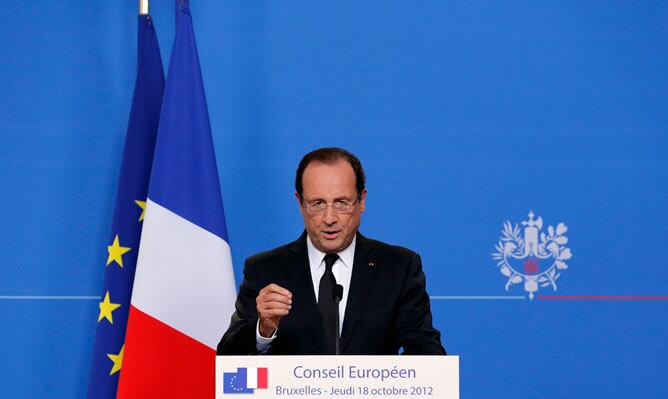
(346, 377)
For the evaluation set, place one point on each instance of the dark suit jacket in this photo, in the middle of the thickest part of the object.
(387, 308)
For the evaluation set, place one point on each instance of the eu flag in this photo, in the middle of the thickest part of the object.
(122, 249)
(236, 382)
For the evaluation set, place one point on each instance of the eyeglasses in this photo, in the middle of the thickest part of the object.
(341, 206)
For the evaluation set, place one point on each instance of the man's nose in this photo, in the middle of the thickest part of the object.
(329, 217)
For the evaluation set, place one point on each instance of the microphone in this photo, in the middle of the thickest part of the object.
(337, 293)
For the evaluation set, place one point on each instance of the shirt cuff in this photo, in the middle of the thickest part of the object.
(262, 344)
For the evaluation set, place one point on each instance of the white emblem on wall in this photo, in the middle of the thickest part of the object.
(531, 256)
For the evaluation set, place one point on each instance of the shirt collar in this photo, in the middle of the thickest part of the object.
(316, 256)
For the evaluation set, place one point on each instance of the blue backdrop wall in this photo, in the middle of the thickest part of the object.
(466, 114)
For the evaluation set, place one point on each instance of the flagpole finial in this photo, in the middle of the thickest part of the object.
(143, 7)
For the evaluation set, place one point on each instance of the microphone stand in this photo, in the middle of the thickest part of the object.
(338, 295)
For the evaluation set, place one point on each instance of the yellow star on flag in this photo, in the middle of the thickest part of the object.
(142, 205)
(117, 359)
(106, 307)
(116, 252)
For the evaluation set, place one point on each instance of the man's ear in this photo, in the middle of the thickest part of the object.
(363, 200)
(299, 202)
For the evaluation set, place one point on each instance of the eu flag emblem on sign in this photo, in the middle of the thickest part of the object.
(245, 380)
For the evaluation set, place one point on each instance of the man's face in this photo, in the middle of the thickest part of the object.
(330, 231)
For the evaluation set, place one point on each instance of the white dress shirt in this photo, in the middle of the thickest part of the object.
(343, 271)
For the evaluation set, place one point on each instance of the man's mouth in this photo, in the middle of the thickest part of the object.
(331, 234)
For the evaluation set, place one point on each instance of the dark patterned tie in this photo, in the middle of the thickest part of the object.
(326, 302)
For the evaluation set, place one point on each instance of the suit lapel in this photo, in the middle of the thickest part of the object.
(360, 286)
(303, 289)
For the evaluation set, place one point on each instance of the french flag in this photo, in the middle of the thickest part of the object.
(184, 291)
(256, 377)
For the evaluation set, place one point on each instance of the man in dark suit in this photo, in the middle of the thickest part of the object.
(289, 297)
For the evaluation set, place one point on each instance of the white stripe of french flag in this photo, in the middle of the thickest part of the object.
(257, 377)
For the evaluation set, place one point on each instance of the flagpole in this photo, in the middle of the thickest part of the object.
(143, 7)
